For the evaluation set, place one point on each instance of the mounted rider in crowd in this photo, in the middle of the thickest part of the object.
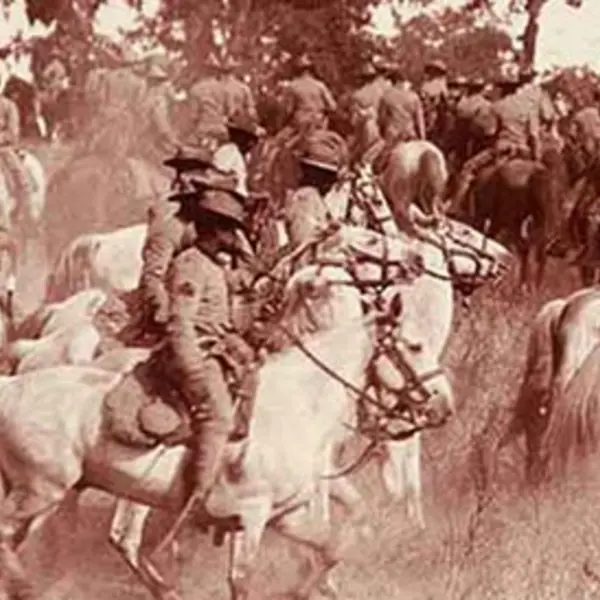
(364, 108)
(475, 121)
(209, 104)
(202, 356)
(306, 209)
(10, 138)
(158, 134)
(517, 135)
(400, 117)
(307, 103)
(239, 96)
(434, 96)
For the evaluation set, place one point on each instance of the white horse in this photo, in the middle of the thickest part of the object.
(428, 305)
(268, 480)
(110, 261)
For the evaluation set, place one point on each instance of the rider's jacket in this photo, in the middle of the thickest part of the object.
(307, 101)
(9, 123)
(209, 104)
(239, 98)
(518, 124)
(401, 115)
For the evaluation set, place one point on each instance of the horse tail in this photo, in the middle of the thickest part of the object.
(36, 199)
(573, 426)
(530, 411)
(432, 178)
(63, 279)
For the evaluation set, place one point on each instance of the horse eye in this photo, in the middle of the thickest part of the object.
(415, 347)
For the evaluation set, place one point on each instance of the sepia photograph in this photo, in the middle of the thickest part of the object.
(299, 299)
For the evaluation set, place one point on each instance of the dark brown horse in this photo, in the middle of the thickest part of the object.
(520, 201)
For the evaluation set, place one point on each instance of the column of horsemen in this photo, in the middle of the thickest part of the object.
(198, 234)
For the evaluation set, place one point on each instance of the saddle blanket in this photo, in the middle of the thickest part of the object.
(138, 414)
(144, 411)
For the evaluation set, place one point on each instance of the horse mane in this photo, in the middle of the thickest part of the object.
(310, 294)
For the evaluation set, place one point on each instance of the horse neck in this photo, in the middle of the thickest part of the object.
(432, 296)
(303, 398)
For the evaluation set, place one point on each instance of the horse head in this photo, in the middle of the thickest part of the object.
(411, 387)
(406, 390)
(472, 257)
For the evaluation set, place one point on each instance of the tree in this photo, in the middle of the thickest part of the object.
(262, 32)
(468, 47)
(533, 10)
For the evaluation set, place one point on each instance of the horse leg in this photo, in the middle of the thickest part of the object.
(126, 535)
(523, 268)
(328, 544)
(244, 546)
(22, 511)
(541, 258)
(345, 493)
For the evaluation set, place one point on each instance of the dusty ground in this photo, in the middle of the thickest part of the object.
(518, 546)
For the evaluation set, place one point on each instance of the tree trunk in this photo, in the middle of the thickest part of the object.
(530, 34)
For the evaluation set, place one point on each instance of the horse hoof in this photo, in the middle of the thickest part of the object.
(328, 589)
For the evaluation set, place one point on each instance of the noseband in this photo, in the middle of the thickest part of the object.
(466, 284)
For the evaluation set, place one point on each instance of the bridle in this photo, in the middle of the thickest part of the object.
(377, 420)
(464, 283)
(368, 197)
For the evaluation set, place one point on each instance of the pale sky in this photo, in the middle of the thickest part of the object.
(568, 36)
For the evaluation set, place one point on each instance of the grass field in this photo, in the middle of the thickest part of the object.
(508, 543)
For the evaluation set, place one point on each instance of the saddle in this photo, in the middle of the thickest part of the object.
(145, 409)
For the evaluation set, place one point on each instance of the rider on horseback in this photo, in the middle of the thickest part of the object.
(517, 135)
(10, 134)
(239, 95)
(198, 330)
(307, 101)
(400, 117)
(434, 95)
(209, 102)
(364, 108)
(244, 132)
(306, 209)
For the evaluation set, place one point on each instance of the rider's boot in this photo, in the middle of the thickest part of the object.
(208, 446)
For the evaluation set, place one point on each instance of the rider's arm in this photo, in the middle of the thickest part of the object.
(250, 104)
(186, 294)
(534, 136)
(159, 115)
(328, 99)
(164, 239)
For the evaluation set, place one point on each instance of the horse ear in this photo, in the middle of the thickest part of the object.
(396, 306)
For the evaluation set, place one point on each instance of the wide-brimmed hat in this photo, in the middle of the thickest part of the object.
(526, 74)
(189, 158)
(230, 63)
(246, 124)
(214, 178)
(509, 80)
(213, 63)
(304, 62)
(459, 81)
(368, 69)
(224, 204)
(218, 202)
(476, 83)
(324, 150)
(155, 71)
(436, 65)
